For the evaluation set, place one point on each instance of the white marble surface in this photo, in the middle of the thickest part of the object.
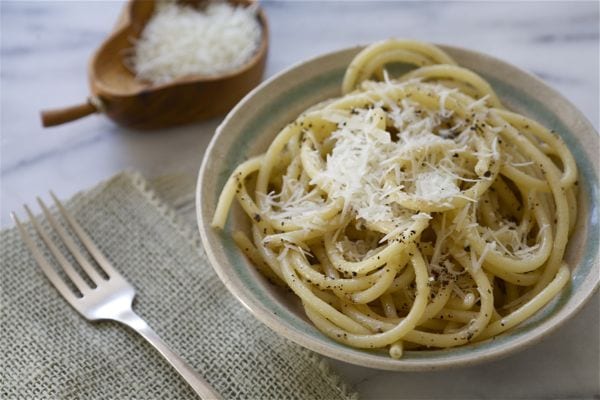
(45, 49)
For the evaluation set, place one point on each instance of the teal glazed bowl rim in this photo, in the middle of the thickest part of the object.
(247, 131)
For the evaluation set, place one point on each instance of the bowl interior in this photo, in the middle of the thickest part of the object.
(254, 122)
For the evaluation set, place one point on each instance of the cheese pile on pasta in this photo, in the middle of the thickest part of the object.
(411, 212)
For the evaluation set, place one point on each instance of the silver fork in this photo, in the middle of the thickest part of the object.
(112, 297)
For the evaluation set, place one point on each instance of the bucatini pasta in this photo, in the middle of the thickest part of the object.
(412, 212)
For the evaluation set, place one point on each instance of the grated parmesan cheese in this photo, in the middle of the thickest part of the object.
(476, 263)
(181, 40)
(435, 186)
(367, 167)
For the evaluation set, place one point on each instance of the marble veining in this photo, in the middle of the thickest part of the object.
(45, 48)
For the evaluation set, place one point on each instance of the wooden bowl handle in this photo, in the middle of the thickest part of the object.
(62, 115)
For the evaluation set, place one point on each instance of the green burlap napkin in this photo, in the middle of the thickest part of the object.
(48, 351)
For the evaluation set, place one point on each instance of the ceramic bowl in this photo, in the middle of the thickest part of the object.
(254, 122)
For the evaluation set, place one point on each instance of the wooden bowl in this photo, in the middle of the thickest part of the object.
(140, 105)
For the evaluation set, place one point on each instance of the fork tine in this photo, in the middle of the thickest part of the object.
(85, 264)
(86, 240)
(79, 283)
(50, 273)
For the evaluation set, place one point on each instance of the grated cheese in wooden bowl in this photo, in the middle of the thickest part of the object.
(181, 40)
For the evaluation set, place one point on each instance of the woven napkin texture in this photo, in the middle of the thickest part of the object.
(48, 350)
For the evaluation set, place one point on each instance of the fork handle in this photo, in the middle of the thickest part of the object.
(195, 380)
